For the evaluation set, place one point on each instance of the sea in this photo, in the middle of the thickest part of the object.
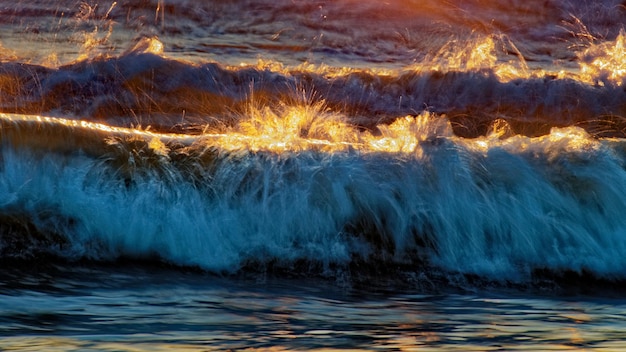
(312, 175)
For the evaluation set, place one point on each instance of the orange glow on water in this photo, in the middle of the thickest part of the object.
(293, 129)
(608, 62)
(477, 54)
(311, 127)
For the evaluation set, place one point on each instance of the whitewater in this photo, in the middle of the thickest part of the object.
(388, 152)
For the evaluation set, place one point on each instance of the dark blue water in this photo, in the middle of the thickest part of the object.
(113, 308)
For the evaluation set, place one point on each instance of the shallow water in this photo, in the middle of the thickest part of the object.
(94, 308)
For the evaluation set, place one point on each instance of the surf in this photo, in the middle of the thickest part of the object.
(498, 207)
(491, 154)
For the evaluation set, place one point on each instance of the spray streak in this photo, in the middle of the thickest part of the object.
(606, 63)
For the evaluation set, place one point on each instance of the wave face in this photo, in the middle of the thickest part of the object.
(498, 208)
(365, 139)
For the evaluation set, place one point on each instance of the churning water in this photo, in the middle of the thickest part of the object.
(297, 175)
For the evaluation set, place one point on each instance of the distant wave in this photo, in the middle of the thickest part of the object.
(150, 90)
(343, 32)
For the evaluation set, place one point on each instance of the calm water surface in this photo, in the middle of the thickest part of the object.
(149, 309)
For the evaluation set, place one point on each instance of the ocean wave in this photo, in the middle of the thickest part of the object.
(395, 31)
(145, 89)
(498, 208)
(416, 139)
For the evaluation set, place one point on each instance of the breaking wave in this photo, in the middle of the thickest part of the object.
(435, 146)
(501, 208)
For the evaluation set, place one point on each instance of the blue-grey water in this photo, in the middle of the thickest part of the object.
(157, 309)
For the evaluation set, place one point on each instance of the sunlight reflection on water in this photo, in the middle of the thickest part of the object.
(164, 311)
